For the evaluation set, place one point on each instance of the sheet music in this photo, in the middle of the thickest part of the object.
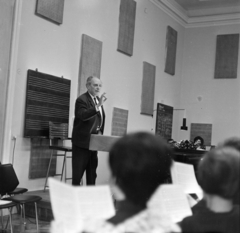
(184, 175)
(172, 200)
(71, 204)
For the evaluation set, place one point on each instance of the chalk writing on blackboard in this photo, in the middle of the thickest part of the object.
(164, 121)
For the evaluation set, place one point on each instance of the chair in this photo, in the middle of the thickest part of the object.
(11, 186)
(8, 183)
(58, 131)
(9, 207)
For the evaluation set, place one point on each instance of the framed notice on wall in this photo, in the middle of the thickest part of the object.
(164, 121)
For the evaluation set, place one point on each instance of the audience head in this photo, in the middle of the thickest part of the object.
(235, 143)
(140, 162)
(218, 172)
(232, 142)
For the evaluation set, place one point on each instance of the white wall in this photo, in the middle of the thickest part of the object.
(55, 50)
(6, 28)
(206, 99)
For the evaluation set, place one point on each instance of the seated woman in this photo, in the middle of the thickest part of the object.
(218, 176)
(199, 143)
(139, 163)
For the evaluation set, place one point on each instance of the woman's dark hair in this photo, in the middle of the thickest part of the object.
(140, 162)
(218, 172)
(199, 138)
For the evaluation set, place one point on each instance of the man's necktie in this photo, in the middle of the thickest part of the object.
(95, 100)
(100, 111)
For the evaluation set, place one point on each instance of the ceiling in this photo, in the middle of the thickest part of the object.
(202, 12)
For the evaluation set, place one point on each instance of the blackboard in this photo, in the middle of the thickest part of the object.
(164, 121)
(47, 99)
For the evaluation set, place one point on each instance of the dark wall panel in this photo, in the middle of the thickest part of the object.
(226, 56)
(47, 99)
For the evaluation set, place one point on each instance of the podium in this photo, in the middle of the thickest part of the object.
(102, 142)
(189, 156)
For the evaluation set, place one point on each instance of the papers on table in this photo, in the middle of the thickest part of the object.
(71, 204)
(184, 175)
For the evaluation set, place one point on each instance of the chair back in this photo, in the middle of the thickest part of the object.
(8, 179)
(58, 130)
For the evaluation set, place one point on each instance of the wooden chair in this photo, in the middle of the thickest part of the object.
(58, 131)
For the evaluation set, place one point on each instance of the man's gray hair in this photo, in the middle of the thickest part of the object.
(89, 79)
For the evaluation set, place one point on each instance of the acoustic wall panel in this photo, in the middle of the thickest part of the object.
(171, 51)
(47, 99)
(202, 130)
(39, 159)
(119, 122)
(90, 61)
(51, 10)
(148, 87)
(126, 26)
(226, 63)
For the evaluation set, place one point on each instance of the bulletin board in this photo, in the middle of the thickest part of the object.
(47, 99)
(164, 120)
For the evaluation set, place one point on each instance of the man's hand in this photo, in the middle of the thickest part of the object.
(102, 99)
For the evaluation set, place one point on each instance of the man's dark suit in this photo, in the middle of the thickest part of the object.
(87, 120)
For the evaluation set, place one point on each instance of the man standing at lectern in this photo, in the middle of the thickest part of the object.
(89, 119)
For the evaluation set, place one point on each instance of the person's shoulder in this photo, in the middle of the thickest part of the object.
(83, 96)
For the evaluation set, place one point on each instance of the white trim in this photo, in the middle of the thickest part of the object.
(169, 12)
(7, 139)
(181, 16)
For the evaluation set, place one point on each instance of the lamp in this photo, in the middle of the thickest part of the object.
(184, 125)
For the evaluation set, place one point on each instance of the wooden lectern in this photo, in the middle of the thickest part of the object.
(101, 142)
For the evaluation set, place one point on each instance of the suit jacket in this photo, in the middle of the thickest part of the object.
(86, 120)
